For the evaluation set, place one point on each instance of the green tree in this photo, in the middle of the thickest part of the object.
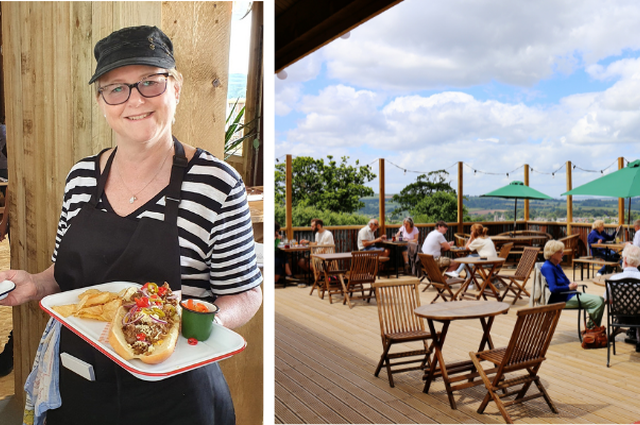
(438, 206)
(301, 217)
(425, 186)
(332, 186)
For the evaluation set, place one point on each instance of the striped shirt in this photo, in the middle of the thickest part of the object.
(215, 234)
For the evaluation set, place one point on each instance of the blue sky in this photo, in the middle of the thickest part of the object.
(493, 84)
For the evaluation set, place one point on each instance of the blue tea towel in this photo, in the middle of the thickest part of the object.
(42, 386)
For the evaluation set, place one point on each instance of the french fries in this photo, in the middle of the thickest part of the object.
(94, 304)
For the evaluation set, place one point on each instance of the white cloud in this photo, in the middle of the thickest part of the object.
(419, 45)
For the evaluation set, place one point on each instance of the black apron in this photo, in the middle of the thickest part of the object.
(102, 247)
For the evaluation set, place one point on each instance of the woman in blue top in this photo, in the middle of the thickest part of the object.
(598, 235)
(558, 283)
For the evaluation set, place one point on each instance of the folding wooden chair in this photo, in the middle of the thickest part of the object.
(624, 309)
(440, 282)
(518, 281)
(398, 325)
(317, 265)
(526, 351)
(361, 276)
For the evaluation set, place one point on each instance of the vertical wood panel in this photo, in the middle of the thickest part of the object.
(201, 32)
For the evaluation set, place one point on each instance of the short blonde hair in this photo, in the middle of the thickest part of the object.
(552, 247)
(632, 254)
(597, 224)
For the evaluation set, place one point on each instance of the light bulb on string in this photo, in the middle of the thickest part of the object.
(282, 75)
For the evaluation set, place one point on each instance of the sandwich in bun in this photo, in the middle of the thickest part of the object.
(147, 325)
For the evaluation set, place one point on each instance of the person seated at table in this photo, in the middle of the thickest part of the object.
(282, 260)
(322, 237)
(558, 282)
(435, 243)
(598, 235)
(630, 263)
(367, 238)
(407, 233)
(479, 242)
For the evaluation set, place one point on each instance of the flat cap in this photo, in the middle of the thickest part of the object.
(142, 45)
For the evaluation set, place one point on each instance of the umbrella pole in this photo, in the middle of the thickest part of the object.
(628, 220)
(515, 216)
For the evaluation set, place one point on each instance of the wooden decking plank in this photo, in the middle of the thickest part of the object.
(578, 381)
(287, 405)
(318, 399)
(335, 378)
(387, 395)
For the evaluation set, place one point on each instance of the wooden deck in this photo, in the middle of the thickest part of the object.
(325, 356)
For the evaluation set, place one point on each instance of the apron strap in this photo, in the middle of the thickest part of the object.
(172, 197)
(102, 179)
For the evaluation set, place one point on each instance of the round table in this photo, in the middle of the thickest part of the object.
(445, 313)
(477, 265)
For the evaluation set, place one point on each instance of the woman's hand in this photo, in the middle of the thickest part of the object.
(29, 287)
(573, 286)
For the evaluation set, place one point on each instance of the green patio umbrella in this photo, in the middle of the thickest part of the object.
(624, 183)
(516, 190)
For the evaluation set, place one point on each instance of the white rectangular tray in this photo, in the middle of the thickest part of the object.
(222, 343)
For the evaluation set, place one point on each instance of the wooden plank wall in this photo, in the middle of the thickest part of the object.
(53, 121)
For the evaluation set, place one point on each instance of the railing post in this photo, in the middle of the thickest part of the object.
(460, 205)
(383, 230)
(289, 199)
(526, 201)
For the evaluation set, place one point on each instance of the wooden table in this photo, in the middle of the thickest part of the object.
(395, 245)
(616, 246)
(446, 313)
(460, 251)
(477, 267)
(517, 240)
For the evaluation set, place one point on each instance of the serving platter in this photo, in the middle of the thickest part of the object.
(223, 343)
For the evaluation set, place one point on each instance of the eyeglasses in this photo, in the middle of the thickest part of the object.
(152, 86)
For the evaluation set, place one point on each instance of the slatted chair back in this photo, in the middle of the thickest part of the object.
(526, 264)
(318, 265)
(439, 281)
(570, 245)
(461, 238)
(624, 308)
(400, 325)
(396, 303)
(362, 275)
(526, 351)
(505, 250)
(364, 266)
(531, 336)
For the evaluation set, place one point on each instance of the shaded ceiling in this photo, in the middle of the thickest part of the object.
(303, 26)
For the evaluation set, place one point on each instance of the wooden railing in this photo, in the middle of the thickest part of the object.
(346, 237)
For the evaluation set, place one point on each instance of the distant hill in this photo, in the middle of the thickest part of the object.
(237, 86)
(484, 209)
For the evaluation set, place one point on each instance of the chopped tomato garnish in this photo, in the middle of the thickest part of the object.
(162, 291)
(142, 302)
(141, 337)
(192, 341)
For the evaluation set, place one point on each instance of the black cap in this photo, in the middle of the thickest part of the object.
(143, 45)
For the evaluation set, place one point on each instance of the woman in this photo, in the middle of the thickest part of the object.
(132, 214)
(598, 235)
(407, 233)
(558, 283)
(479, 242)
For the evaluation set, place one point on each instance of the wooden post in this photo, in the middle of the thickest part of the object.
(620, 200)
(289, 199)
(383, 226)
(569, 199)
(460, 204)
(526, 201)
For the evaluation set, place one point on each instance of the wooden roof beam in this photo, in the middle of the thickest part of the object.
(310, 24)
